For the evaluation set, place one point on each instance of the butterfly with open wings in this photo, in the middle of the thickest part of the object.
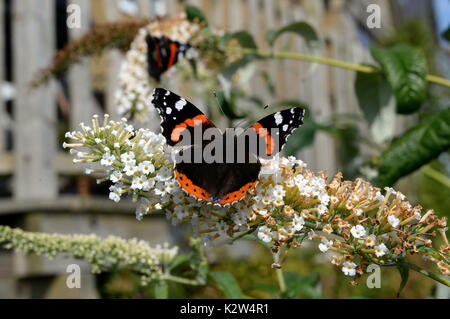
(221, 182)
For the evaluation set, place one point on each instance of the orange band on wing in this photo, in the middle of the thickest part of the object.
(260, 130)
(263, 132)
(158, 55)
(173, 54)
(179, 128)
(186, 184)
(176, 132)
(196, 120)
(237, 195)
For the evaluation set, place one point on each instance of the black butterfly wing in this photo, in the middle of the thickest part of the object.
(274, 129)
(178, 116)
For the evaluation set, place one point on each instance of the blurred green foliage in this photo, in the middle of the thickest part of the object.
(432, 194)
(415, 33)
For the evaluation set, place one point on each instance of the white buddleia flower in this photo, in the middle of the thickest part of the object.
(349, 269)
(358, 231)
(381, 250)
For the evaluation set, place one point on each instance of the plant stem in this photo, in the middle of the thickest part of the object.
(181, 280)
(426, 273)
(337, 63)
(438, 80)
(279, 272)
(436, 175)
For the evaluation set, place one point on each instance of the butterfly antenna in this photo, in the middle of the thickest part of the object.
(240, 122)
(266, 107)
(218, 103)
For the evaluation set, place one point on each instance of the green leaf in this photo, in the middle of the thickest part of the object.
(418, 146)
(244, 38)
(229, 70)
(270, 289)
(297, 285)
(303, 29)
(405, 68)
(227, 284)
(374, 98)
(300, 28)
(198, 260)
(404, 274)
(446, 34)
(178, 260)
(195, 14)
(161, 290)
(193, 64)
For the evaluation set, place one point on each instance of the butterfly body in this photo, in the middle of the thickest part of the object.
(225, 173)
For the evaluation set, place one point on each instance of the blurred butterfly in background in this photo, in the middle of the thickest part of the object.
(162, 54)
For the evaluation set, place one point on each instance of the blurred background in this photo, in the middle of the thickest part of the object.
(41, 190)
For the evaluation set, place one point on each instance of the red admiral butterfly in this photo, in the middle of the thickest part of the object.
(162, 54)
(228, 181)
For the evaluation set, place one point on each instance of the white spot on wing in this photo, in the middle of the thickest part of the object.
(168, 110)
(285, 127)
(180, 104)
(278, 118)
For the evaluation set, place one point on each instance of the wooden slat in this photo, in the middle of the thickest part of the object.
(296, 80)
(144, 8)
(172, 7)
(6, 163)
(270, 23)
(114, 59)
(317, 90)
(234, 15)
(341, 32)
(252, 19)
(282, 45)
(82, 103)
(257, 85)
(279, 76)
(61, 164)
(35, 111)
(301, 71)
(218, 14)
